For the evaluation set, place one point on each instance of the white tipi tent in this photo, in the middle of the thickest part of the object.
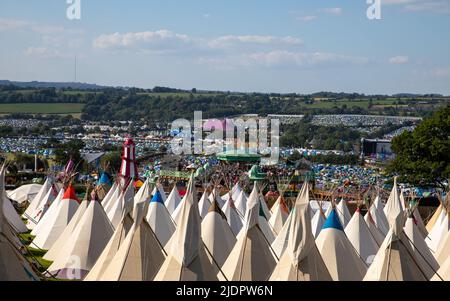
(111, 197)
(173, 200)
(204, 204)
(125, 200)
(187, 259)
(65, 235)
(84, 246)
(394, 205)
(241, 204)
(13, 266)
(159, 219)
(140, 255)
(51, 211)
(378, 217)
(31, 209)
(232, 215)
(217, 235)
(317, 222)
(54, 226)
(280, 213)
(340, 257)
(343, 213)
(251, 258)
(112, 247)
(423, 255)
(439, 231)
(361, 238)
(301, 261)
(395, 260)
(44, 205)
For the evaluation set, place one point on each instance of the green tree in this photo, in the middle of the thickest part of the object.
(423, 156)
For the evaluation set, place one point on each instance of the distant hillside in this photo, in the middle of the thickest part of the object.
(60, 85)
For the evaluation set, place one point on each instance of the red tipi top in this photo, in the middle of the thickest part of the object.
(70, 194)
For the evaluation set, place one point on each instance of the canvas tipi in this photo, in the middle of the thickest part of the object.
(173, 200)
(85, 244)
(159, 219)
(301, 260)
(57, 221)
(361, 238)
(187, 259)
(252, 258)
(339, 255)
(217, 235)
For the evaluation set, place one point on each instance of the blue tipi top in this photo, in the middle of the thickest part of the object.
(157, 198)
(333, 221)
(104, 179)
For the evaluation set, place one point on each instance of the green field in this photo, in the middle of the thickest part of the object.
(42, 108)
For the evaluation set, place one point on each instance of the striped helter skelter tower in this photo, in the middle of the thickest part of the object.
(128, 169)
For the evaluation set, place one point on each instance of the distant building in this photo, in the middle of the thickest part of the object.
(376, 147)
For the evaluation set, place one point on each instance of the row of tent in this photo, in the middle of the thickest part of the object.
(150, 236)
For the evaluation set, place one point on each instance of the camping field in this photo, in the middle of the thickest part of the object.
(42, 108)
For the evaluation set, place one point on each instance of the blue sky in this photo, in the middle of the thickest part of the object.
(247, 45)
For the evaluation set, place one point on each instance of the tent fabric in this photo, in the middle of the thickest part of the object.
(65, 235)
(42, 208)
(301, 261)
(111, 248)
(443, 274)
(159, 219)
(11, 215)
(241, 204)
(235, 192)
(393, 206)
(234, 220)
(443, 251)
(279, 216)
(173, 200)
(141, 255)
(421, 251)
(217, 235)
(161, 191)
(111, 196)
(439, 232)
(361, 238)
(13, 266)
(343, 213)
(395, 260)
(376, 233)
(50, 212)
(187, 259)
(85, 244)
(25, 193)
(434, 218)
(216, 194)
(251, 258)
(378, 216)
(36, 203)
(264, 207)
(54, 226)
(204, 204)
(317, 223)
(120, 205)
(339, 255)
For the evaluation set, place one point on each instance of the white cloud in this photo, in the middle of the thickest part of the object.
(8, 25)
(399, 60)
(207, 15)
(337, 11)
(281, 58)
(161, 40)
(434, 6)
(441, 72)
(233, 40)
(45, 52)
(306, 18)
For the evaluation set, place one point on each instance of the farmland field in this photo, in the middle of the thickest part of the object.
(42, 108)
